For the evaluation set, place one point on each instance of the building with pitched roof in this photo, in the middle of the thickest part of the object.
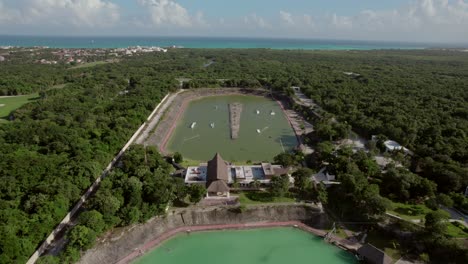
(217, 175)
(373, 255)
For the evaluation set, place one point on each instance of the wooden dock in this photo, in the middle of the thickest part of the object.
(235, 110)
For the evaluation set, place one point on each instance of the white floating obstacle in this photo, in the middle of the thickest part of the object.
(212, 125)
(193, 125)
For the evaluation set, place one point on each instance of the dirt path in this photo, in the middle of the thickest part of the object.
(154, 119)
(295, 120)
(72, 213)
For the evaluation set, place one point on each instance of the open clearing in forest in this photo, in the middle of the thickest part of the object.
(89, 64)
(11, 103)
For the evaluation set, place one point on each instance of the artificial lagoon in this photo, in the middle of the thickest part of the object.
(267, 246)
(204, 129)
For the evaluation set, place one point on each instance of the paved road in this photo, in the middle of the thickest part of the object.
(456, 216)
(66, 220)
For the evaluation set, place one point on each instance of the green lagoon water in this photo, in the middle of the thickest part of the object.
(257, 246)
(203, 141)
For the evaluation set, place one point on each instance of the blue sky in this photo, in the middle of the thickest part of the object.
(399, 20)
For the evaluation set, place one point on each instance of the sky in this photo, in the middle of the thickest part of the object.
(442, 21)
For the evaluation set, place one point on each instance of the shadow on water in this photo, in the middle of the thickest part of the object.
(346, 256)
(267, 256)
(288, 141)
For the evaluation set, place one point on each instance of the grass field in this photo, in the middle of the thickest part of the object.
(11, 103)
(409, 211)
(457, 230)
(260, 197)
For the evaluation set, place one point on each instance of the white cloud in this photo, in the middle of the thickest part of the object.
(426, 19)
(256, 21)
(419, 20)
(286, 17)
(341, 22)
(8, 15)
(308, 21)
(428, 8)
(170, 13)
(87, 13)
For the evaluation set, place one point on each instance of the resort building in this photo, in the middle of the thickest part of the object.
(218, 175)
(391, 145)
(325, 177)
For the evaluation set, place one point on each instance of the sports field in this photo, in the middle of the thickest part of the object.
(11, 103)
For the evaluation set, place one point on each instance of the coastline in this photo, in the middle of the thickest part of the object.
(99, 42)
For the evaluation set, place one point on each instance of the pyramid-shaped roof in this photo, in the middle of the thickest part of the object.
(217, 170)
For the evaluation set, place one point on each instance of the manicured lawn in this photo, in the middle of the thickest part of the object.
(457, 230)
(261, 197)
(189, 163)
(9, 104)
(409, 211)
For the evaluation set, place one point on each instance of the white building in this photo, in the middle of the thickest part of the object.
(324, 177)
(391, 145)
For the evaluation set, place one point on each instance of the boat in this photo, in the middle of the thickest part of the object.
(258, 112)
(193, 125)
(212, 125)
(258, 131)
(272, 113)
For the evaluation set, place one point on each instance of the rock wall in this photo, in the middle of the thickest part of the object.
(120, 243)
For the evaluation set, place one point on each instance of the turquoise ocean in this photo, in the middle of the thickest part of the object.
(203, 42)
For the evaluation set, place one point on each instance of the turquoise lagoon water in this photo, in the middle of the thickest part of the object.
(202, 42)
(257, 246)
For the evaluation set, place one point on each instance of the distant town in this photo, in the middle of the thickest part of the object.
(78, 56)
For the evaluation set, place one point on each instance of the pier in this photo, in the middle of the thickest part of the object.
(235, 110)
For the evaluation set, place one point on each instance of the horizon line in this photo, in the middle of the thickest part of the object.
(237, 37)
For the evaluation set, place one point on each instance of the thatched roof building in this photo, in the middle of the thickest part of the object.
(217, 176)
